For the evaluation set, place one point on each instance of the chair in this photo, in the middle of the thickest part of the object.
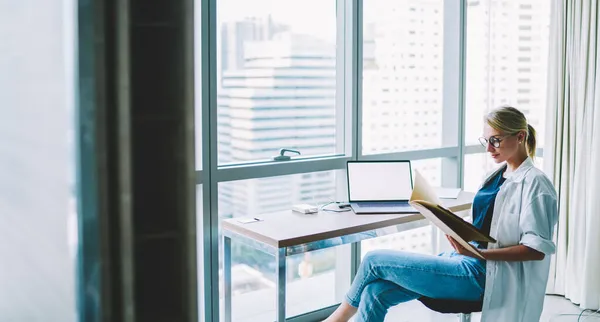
(465, 308)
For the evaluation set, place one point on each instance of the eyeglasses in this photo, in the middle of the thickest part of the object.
(493, 140)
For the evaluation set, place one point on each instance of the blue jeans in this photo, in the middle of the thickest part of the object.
(386, 278)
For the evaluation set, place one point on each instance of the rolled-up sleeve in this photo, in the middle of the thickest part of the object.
(537, 223)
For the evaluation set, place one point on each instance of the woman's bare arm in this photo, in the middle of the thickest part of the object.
(518, 253)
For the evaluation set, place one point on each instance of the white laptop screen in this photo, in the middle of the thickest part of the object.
(379, 181)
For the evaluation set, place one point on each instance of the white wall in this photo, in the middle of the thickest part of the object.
(37, 267)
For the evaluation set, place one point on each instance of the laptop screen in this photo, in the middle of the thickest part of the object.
(379, 181)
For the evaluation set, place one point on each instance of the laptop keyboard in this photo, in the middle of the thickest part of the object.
(383, 204)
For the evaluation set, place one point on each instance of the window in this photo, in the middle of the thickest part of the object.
(276, 79)
(417, 240)
(431, 169)
(198, 90)
(200, 243)
(518, 47)
(383, 37)
(253, 272)
(282, 77)
(523, 102)
(478, 166)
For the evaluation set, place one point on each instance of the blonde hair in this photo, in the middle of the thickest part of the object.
(511, 121)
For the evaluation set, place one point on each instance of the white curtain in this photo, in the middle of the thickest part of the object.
(572, 155)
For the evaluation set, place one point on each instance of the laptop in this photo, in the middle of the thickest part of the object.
(380, 187)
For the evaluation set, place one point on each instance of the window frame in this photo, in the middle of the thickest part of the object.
(348, 109)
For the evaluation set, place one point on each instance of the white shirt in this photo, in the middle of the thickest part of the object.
(525, 212)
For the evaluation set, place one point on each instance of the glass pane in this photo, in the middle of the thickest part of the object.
(199, 249)
(253, 272)
(539, 162)
(507, 56)
(198, 92)
(478, 165)
(402, 75)
(38, 218)
(277, 79)
(416, 240)
(431, 169)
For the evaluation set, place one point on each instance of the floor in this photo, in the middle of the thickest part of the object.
(259, 305)
(556, 309)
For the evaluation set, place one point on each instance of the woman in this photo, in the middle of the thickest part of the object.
(516, 205)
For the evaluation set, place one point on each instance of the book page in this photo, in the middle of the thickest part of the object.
(423, 191)
(426, 201)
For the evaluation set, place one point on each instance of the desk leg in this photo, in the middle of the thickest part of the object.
(227, 277)
(355, 253)
(281, 282)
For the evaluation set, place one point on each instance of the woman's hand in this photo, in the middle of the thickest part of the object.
(460, 249)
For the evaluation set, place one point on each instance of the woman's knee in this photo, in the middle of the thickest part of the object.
(375, 256)
(380, 257)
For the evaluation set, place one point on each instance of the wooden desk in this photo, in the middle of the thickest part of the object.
(287, 233)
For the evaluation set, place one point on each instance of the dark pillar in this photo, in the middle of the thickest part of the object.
(136, 161)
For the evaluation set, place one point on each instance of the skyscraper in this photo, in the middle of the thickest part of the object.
(507, 49)
(283, 96)
(507, 56)
(402, 85)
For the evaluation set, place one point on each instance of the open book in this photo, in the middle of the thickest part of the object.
(425, 200)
